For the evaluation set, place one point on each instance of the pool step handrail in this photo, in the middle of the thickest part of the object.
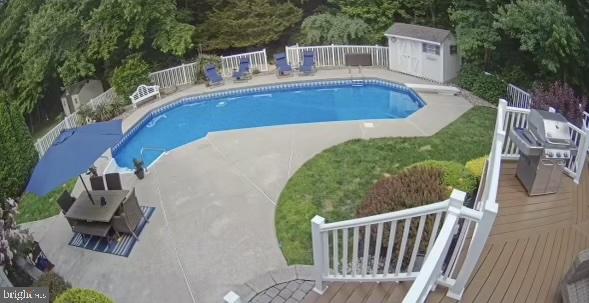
(163, 150)
(357, 82)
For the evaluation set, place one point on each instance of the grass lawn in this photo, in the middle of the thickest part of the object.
(334, 183)
(33, 207)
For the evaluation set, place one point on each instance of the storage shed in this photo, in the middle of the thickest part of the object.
(423, 51)
(79, 94)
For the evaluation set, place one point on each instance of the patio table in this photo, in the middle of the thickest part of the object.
(84, 210)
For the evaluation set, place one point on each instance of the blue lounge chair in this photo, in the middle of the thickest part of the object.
(213, 75)
(308, 66)
(282, 66)
(244, 70)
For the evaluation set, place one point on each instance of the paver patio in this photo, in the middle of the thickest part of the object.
(213, 228)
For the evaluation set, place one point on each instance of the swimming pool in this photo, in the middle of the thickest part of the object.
(192, 118)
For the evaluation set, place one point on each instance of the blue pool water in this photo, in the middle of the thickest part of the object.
(193, 120)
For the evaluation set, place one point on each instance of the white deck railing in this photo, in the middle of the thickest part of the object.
(517, 118)
(175, 76)
(517, 97)
(335, 55)
(517, 112)
(258, 61)
(72, 121)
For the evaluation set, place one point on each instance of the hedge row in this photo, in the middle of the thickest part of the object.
(484, 85)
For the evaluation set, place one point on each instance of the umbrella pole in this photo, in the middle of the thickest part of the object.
(87, 191)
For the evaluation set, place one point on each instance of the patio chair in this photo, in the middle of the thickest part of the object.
(282, 66)
(73, 223)
(308, 66)
(213, 75)
(575, 285)
(244, 71)
(129, 216)
(96, 183)
(113, 181)
(65, 201)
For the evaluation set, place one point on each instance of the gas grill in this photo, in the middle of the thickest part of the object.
(544, 148)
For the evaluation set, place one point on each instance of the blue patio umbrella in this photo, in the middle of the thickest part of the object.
(72, 154)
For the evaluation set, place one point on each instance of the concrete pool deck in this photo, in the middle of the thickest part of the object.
(213, 228)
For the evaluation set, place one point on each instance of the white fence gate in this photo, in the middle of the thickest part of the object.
(258, 61)
(335, 55)
(175, 76)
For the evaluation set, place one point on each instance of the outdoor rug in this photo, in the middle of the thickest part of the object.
(121, 248)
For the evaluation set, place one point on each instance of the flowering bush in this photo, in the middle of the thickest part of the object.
(561, 97)
(12, 240)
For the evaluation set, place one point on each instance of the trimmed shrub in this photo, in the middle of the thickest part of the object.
(486, 86)
(79, 295)
(102, 112)
(414, 186)
(18, 156)
(475, 166)
(55, 283)
(127, 77)
(455, 175)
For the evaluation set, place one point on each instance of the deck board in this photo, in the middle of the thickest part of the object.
(532, 245)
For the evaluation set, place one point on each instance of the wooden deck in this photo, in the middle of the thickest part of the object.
(532, 245)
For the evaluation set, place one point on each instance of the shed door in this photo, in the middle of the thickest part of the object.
(409, 57)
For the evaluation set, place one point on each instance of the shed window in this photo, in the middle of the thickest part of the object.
(453, 49)
(431, 48)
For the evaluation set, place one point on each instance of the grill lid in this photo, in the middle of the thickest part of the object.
(549, 127)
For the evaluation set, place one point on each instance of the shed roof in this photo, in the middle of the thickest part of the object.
(418, 32)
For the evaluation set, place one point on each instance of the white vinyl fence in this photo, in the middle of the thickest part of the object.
(420, 244)
(175, 76)
(104, 98)
(72, 121)
(335, 55)
(258, 61)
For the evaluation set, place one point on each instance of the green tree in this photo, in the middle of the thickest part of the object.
(118, 28)
(473, 24)
(247, 23)
(381, 14)
(337, 29)
(80, 39)
(545, 30)
(127, 77)
(15, 17)
(18, 156)
(54, 38)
